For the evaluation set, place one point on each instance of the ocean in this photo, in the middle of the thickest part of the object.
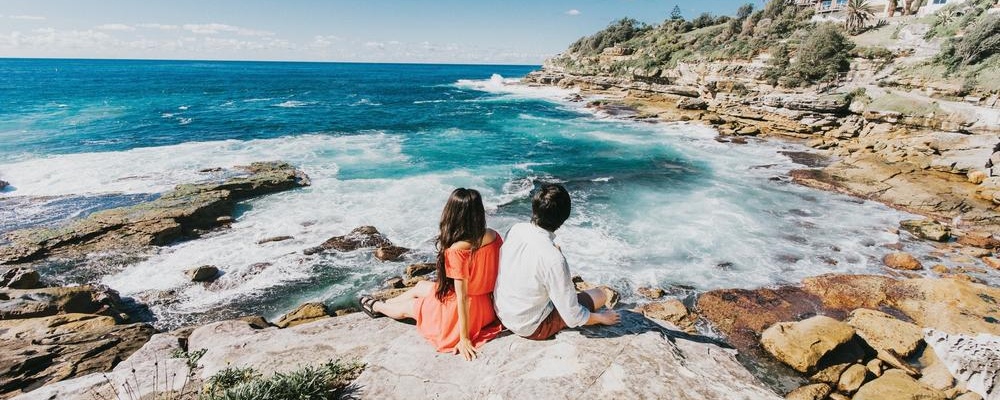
(660, 204)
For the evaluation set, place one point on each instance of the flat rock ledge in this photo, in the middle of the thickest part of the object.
(178, 214)
(641, 358)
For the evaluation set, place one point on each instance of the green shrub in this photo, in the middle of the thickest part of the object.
(328, 381)
(823, 54)
(618, 32)
(980, 41)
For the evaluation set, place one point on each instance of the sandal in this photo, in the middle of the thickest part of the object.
(367, 304)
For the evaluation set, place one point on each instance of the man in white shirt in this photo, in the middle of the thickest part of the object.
(535, 296)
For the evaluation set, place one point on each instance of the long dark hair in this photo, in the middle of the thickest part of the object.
(463, 218)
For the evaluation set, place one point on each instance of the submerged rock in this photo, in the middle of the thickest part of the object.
(178, 214)
(3, 184)
(204, 273)
(390, 252)
(360, 237)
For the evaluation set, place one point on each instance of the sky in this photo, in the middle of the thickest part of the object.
(445, 31)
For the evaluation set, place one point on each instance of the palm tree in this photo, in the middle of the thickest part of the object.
(858, 14)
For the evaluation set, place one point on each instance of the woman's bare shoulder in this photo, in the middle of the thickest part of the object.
(488, 238)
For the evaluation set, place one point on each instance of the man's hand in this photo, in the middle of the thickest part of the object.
(607, 317)
(466, 349)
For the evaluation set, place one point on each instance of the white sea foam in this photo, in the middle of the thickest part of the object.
(365, 102)
(294, 104)
(513, 87)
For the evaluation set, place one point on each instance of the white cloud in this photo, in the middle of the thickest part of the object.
(377, 45)
(164, 27)
(116, 27)
(27, 17)
(321, 41)
(216, 28)
(574, 12)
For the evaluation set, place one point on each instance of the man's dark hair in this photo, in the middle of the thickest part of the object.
(550, 207)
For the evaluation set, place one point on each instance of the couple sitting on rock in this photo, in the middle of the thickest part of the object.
(485, 283)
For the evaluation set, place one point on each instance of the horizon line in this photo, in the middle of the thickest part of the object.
(268, 61)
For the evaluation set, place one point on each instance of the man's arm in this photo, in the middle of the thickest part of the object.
(562, 293)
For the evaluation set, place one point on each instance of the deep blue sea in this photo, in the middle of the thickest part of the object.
(654, 204)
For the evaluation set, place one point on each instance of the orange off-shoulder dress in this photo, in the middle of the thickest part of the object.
(438, 320)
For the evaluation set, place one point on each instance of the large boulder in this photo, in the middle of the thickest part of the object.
(811, 343)
(672, 311)
(742, 314)
(390, 252)
(204, 273)
(926, 229)
(637, 359)
(896, 384)
(178, 214)
(972, 360)
(360, 237)
(884, 332)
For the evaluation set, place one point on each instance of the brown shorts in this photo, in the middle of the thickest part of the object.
(554, 323)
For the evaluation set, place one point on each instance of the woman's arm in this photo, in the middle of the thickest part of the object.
(464, 346)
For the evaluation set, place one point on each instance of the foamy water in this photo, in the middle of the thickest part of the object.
(654, 204)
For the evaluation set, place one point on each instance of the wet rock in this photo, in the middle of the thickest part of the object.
(394, 283)
(305, 313)
(672, 311)
(903, 261)
(852, 378)
(19, 278)
(926, 229)
(419, 269)
(360, 237)
(3, 184)
(815, 391)
(651, 293)
(742, 314)
(43, 302)
(972, 360)
(390, 252)
(805, 344)
(275, 239)
(896, 384)
(204, 273)
(884, 332)
(178, 214)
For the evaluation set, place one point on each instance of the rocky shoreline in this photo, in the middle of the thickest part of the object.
(903, 334)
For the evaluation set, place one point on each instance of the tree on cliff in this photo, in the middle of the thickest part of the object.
(823, 54)
(980, 41)
(676, 13)
(618, 32)
(858, 13)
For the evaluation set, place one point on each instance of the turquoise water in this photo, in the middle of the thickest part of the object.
(654, 204)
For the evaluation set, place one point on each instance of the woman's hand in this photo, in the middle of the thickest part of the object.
(465, 349)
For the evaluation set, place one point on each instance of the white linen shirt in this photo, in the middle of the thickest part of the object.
(533, 279)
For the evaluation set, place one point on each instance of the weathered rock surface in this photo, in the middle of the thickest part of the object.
(896, 384)
(305, 313)
(805, 344)
(852, 378)
(651, 293)
(43, 302)
(19, 278)
(638, 359)
(972, 360)
(420, 269)
(741, 314)
(884, 332)
(360, 237)
(177, 214)
(926, 229)
(204, 273)
(903, 261)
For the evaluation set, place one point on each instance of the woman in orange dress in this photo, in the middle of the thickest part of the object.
(456, 313)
